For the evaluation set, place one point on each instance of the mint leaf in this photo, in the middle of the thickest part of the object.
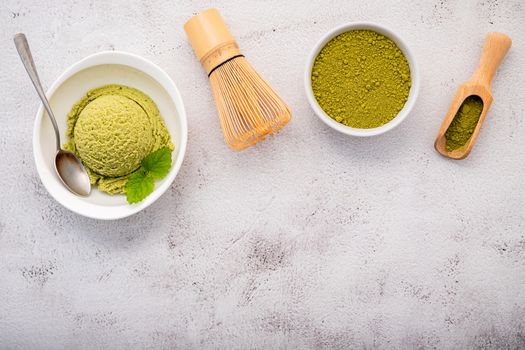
(154, 166)
(140, 184)
(158, 163)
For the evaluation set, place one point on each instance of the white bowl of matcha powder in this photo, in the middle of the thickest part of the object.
(361, 79)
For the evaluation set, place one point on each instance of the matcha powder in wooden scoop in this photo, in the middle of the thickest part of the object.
(361, 79)
(464, 123)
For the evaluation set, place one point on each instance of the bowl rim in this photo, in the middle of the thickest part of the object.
(75, 203)
(414, 74)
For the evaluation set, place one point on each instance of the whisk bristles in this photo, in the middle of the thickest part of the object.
(249, 109)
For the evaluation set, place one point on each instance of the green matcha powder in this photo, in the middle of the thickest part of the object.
(361, 79)
(464, 123)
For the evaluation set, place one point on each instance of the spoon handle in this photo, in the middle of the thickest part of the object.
(27, 59)
(494, 50)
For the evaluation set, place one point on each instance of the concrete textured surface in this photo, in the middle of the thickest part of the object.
(311, 239)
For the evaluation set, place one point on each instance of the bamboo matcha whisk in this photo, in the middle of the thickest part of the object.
(248, 107)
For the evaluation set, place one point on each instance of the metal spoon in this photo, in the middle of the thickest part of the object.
(68, 167)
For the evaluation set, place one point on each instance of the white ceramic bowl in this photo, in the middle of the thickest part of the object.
(414, 73)
(104, 68)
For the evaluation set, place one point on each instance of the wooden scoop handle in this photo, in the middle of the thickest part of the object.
(494, 50)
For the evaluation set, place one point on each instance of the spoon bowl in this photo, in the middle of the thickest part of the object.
(72, 173)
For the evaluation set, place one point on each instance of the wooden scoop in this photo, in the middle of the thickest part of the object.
(495, 48)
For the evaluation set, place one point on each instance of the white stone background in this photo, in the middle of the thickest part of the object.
(311, 239)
